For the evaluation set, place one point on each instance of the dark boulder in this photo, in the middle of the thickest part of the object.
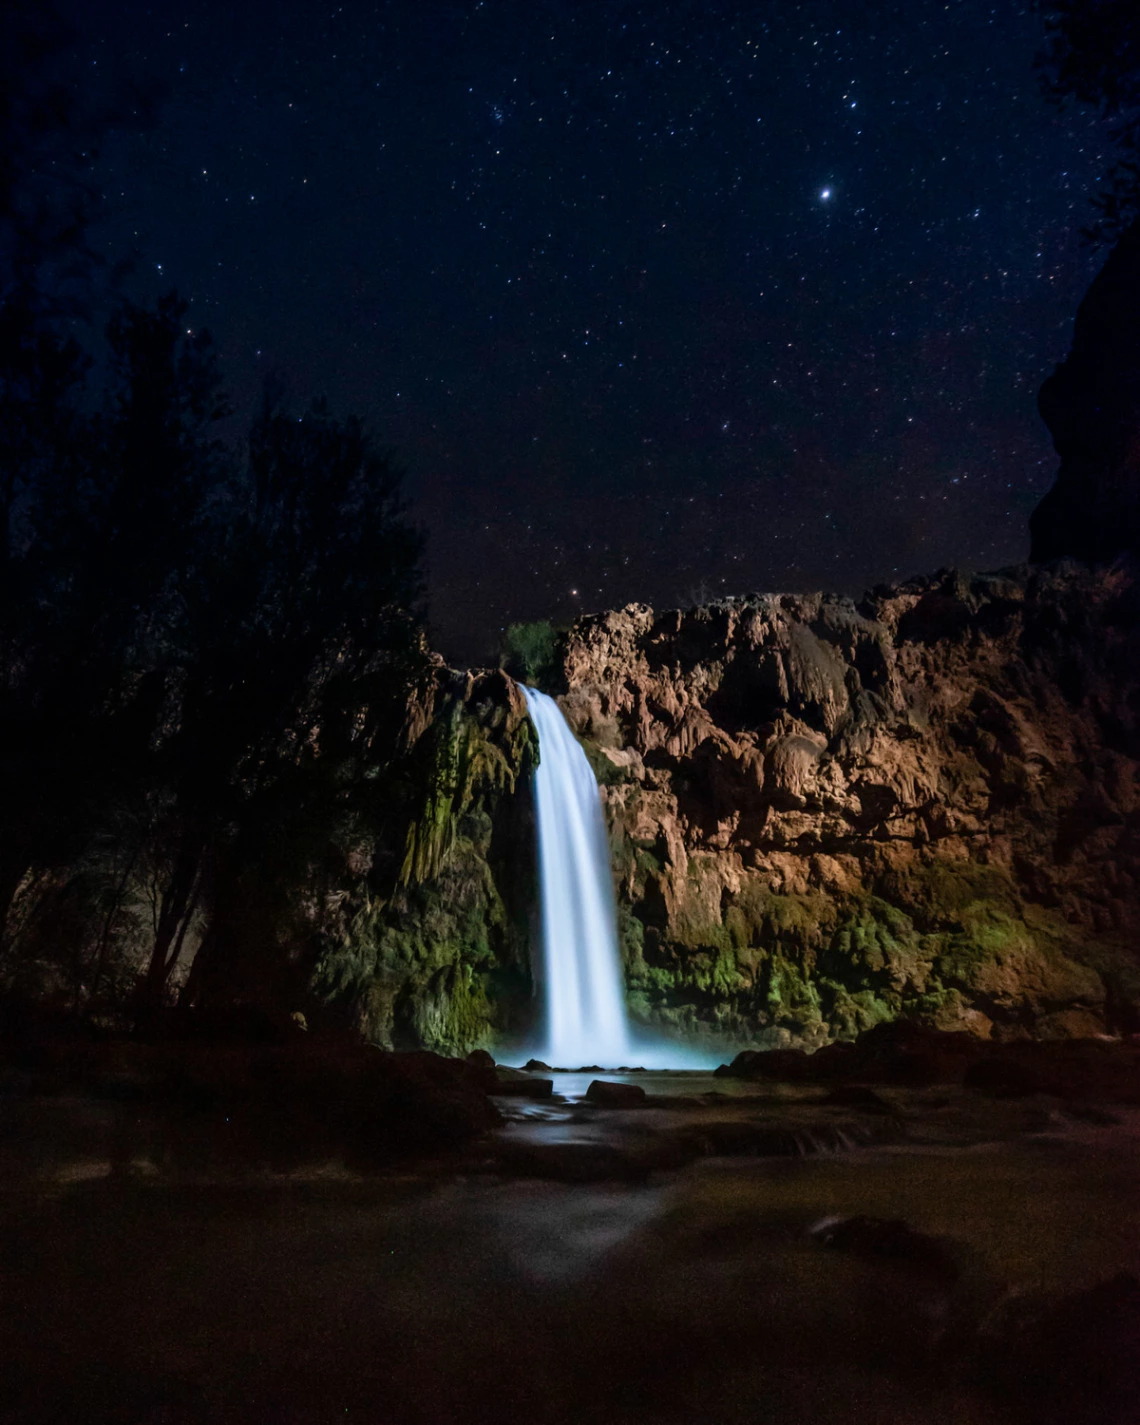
(1074, 1361)
(523, 1087)
(604, 1094)
(572, 1162)
(779, 1064)
(891, 1240)
(1077, 1069)
(903, 1052)
(328, 1097)
(858, 1096)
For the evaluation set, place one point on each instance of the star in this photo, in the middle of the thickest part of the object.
(460, 277)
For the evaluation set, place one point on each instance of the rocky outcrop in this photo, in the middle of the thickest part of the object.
(1091, 405)
(435, 953)
(827, 814)
(824, 815)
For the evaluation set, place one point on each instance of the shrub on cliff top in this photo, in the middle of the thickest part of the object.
(530, 653)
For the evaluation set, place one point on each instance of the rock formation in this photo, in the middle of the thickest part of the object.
(433, 950)
(1091, 405)
(824, 815)
(827, 814)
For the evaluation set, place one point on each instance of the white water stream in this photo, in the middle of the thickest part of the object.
(581, 968)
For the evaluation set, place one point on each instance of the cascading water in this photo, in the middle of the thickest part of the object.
(585, 1003)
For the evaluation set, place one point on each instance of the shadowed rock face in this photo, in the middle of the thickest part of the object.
(827, 814)
(1091, 405)
(435, 954)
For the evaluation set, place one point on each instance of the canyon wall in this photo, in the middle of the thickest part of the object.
(825, 813)
(425, 942)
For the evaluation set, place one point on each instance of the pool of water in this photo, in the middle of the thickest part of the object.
(436, 1298)
(656, 1082)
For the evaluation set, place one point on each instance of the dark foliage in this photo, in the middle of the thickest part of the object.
(530, 654)
(205, 652)
(1092, 54)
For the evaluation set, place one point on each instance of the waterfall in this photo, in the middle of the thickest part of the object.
(581, 969)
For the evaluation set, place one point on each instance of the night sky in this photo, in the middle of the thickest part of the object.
(654, 301)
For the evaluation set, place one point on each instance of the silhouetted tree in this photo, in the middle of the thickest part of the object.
(49, 129)
(1092, 54)
(205, 654)
(1091, 403)
(301, 639)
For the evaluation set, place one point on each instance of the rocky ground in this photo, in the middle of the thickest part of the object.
(306, 1231)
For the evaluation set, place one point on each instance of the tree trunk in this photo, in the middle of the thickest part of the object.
(13, 869)
(178, 902)
(199, 969)
(108, 927)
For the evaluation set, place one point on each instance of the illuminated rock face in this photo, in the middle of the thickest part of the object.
(825, 814)
(822, 815)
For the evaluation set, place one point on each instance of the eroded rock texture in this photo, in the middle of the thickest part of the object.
(826, 814)
(434, 950)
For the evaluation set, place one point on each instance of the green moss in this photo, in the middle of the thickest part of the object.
(945, 894)
(989, 935)
(452, 1014)
(631, 940)
(715, 973)
(465, 767)
(849, 1013)
(824, 966)
(440, 960)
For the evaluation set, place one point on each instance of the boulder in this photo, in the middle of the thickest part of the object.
(781, 1064)
(1087, 1069)
(1070, 1361)
(329, 1097)
(605, 1094)
(904, 1052)
(890, 1240)
(523, 1087)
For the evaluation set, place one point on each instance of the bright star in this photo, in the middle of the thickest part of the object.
(825, 194)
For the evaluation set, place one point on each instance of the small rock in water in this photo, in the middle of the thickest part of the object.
(887, 1238)
(523, 1088)
(533, 1065)
(610, 1095)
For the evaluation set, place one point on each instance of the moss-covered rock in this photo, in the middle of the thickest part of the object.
(822, 818)
(441, 959)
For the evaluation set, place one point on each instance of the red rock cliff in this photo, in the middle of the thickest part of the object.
(825, 814)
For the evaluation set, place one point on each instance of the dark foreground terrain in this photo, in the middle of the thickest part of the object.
(727, 1249)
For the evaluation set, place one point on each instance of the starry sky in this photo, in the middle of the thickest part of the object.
(655, 301)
